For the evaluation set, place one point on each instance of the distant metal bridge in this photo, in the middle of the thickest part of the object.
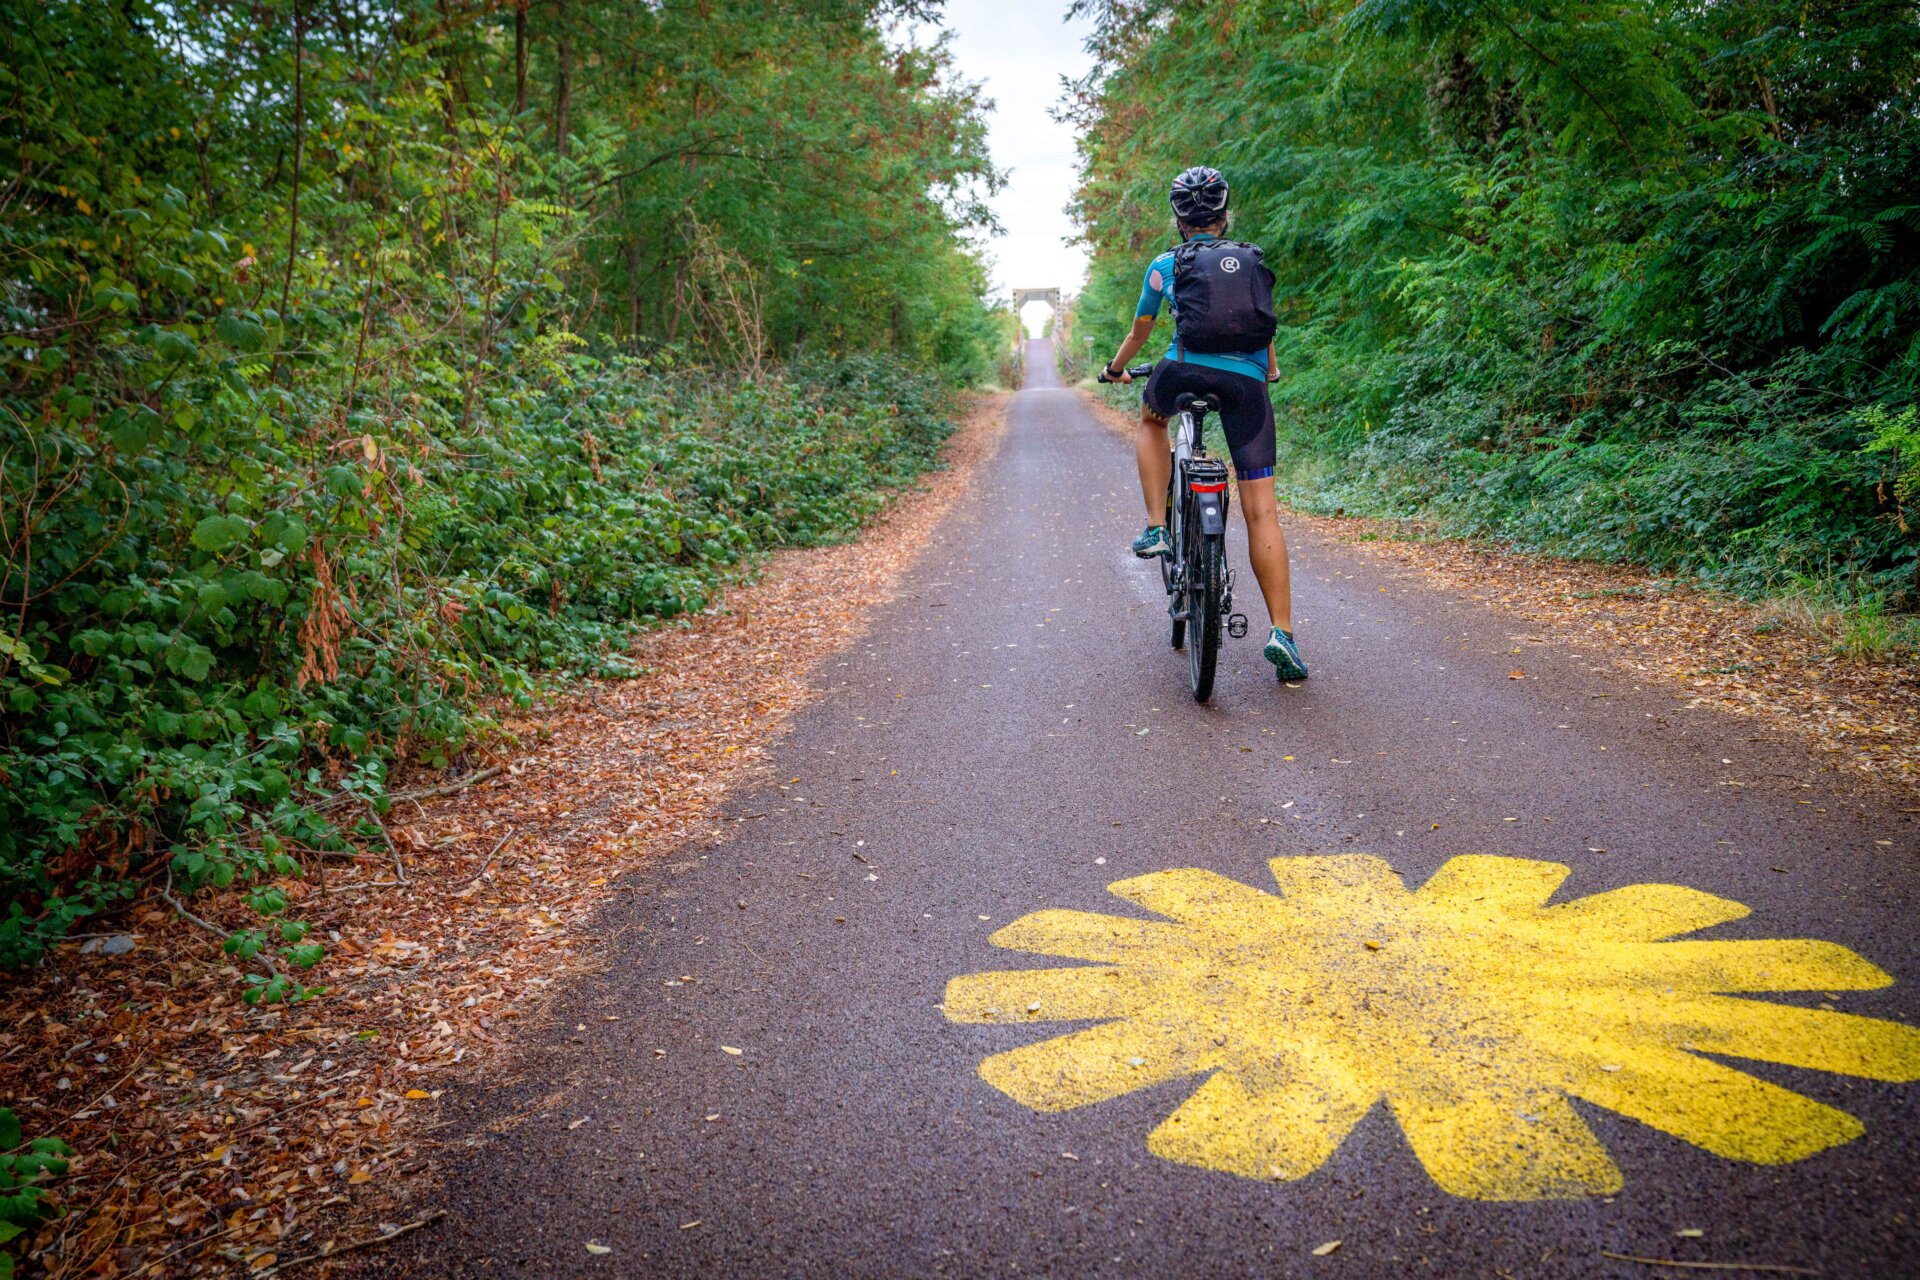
(1021, 297)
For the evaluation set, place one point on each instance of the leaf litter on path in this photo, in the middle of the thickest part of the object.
(1725, 653)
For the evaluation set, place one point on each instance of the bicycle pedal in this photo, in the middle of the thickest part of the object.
(1237, 625)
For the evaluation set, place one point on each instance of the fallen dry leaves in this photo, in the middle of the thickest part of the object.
(1865, 716)
(218, 1138)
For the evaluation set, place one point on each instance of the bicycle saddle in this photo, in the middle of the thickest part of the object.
(1186, 400)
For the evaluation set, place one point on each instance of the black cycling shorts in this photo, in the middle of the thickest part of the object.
(1246, 414)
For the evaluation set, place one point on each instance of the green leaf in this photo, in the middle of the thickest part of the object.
(240, 333)
(189, 660)
(217, 533)
(22, 1208)
(129, 435)
(305, 957)
(344, 482)
(175, 347)
(9, 1129)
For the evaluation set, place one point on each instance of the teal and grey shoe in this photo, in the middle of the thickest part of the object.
(1153, 542)
(1284, 654)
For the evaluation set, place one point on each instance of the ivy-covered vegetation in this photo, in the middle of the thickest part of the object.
(24, 1167)
(1625, 279)
(361, 362)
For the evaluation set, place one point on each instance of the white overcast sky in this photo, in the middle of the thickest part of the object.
(1021, 48)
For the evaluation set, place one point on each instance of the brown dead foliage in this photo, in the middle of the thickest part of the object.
(216, 1138)
(1864, 716)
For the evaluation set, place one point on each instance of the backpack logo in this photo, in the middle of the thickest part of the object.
(1229, 265)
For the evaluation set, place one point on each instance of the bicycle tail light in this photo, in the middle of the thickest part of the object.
(1207, 482)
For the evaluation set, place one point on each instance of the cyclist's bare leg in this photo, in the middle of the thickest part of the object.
(1156, 464)
(1267, 548)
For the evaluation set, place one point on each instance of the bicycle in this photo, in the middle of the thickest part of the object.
(1198, 580)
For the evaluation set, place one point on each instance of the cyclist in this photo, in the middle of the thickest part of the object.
(1239, 379)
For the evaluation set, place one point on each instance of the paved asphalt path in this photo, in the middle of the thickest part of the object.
(976, 758)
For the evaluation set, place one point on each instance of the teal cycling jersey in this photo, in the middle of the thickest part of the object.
(1158, 288)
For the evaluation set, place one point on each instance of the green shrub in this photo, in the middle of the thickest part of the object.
(24, 1170)
(278, 626)
(324, 417)
(1587, 276)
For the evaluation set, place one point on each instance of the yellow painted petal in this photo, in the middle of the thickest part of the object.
(1343, 884)
(1643, 913)
(1286, 1131)
(1474, 1008)
(1009, 995)
(1196, 897)
(1094, 1065)
(1717, 1108)
(1087, 935)
(1816, 1039)
(1478, 886)
(1777, 964)
(1507, 1144)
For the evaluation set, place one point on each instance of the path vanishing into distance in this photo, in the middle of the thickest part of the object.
(1018, 962)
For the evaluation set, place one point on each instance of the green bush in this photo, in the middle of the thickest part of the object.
(24, 1170)
(268, 629)
(1609, 278)
(342, 391)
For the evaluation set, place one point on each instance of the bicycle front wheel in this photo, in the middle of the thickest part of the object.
(1206, 585)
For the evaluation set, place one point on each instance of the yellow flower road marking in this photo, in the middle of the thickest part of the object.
(1472, 1007)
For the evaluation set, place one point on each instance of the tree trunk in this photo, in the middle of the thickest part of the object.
(563, 81)
(633, 290)
(898, 337)
(520, 58)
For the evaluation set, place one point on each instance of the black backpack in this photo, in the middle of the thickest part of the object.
(1222, 297)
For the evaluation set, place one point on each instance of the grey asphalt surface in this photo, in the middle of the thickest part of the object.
(984, 743)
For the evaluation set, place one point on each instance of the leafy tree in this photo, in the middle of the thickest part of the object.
(356, 362)
(1614, 278)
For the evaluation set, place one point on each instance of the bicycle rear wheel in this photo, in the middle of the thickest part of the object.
(1179, 629)
(1206, 584)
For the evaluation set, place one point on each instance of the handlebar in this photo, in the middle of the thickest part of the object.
(1138, 371)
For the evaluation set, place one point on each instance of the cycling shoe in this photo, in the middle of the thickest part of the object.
(1284, 654)
(1153, 542)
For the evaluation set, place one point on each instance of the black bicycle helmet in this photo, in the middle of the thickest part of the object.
(1199, 196)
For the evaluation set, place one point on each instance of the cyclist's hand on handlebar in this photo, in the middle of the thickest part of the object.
(1109, 374)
